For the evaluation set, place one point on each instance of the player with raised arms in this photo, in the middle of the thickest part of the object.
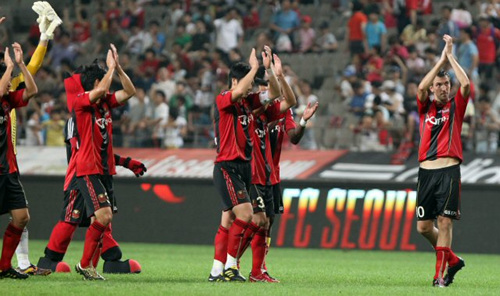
(440, 156)
(233, 124)
(12, 196)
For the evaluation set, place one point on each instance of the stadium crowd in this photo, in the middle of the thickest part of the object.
(178, 55)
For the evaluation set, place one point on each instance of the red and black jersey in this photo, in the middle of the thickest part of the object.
(440, 128)
(276, 135)
(262, 158)
(233, 125)
(8, 161)
(93, 125)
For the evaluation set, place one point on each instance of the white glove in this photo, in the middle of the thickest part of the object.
(48, 19)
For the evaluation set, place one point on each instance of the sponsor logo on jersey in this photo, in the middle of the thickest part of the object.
(245, 119)
(260, 133)
(103, 122)
(436, 121)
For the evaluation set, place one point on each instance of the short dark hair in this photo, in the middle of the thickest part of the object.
(173, 113)
(443, 73)
(484, 99)
(161, 93)
(91, 73)
(357, 6)
(238, 71)
(446, 7)
(468, 31)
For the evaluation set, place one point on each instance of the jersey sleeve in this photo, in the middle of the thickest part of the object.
(254, 100)
(16, 99)
(223, 100)
(289, 122)
(461, 101)
(422, 106)
(82, 101)
(112, 102)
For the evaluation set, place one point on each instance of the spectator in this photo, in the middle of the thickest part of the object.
(488, 45)
(175, 130)
(368, 134)
(375, 31)
(229, 33)
(326, 41)
(135, 44)
(356, 29)
(395, 103)
(446, 27)
(113, 12)
(375, 65)
(415, 35)
(431, 58)
(396, 48)
(487, 127)
(468, 55)
(64, 49)
(188, 24)
(182, 38)
(358, 101)
(157, 117)
(119, 116)
(33, 129)
(285, 22)
(461, 16)
(154, 38)
(491, 8)
(137, 127)
(164, 83)
(415, 63)
(114, 35)
(306, 35)
(134, 15)
(376, 92)
(346, 89)
(150, 65)
(201, 39)
(181, 100)
(308, 141)
(54, 129)
(81, 28)
(251, 21)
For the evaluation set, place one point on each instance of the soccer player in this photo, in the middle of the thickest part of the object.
(91, 112)
(12, 197)
(277, 129)
(74, 209)
(48, 21)
(261, 192)
(440, 155)
(233, 124)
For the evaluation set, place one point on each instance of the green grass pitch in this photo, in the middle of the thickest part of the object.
(183, 270)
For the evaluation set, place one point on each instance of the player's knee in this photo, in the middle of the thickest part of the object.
(424, 228)
(259, 220)
(104, 216)
(20, 220)
(444, 223)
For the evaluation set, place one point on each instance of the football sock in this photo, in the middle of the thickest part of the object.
(220, 256)
(258, 251)
(110, 249)
(268, 245)
(442, 255)
(235, 242)
(452, 259)
(22, 251)
(59, 240)
(97, 254)
(92, 239)
(11, 239)
(248, 236)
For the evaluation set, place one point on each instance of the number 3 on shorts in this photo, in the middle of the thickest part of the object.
(260, 200)
(420, 212)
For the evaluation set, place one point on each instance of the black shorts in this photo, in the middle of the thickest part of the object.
(438, 193)
(74, 207)
(94, 190)
(278, 199)
(262, 199)
(12, 195)
(356, 47)
(232, 181)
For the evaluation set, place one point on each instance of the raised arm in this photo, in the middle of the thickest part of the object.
(296, 134)
(128, 87)
(423, 87)
(274, 86)
(31, 88)
(459, 71)
(290, 99)
(245, 82)
(103, 86)
(4, 81)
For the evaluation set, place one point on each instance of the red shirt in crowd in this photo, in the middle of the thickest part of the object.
(355, 25)
(486, 45)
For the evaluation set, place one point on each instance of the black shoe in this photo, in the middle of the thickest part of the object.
(11, 273)
(439, 282)
(217, 279)
(233, 274)
(452, 271)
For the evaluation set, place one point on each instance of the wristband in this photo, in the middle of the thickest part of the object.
(303, 122)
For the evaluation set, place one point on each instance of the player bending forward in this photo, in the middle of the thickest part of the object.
(440, 155)
(12, 197)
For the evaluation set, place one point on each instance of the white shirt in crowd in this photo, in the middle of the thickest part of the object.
(228, 33)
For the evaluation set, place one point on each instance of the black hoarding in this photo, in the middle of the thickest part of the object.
(357, 215)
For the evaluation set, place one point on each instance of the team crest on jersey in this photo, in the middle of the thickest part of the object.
(241, 194)
(102, 198)
(75, 214)
(245, 119)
